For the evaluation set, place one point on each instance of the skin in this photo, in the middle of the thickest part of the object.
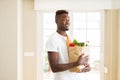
(63, 23)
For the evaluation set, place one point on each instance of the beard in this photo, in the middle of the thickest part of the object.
(63, 28)
(66, 29)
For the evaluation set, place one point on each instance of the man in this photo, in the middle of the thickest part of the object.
(58, 52)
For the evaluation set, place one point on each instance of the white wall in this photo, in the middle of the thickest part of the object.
(116, 4)
(8, 40)
(72, 4)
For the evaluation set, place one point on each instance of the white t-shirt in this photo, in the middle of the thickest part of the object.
(57, 43)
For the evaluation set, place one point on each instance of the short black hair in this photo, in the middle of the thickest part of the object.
(59, 12)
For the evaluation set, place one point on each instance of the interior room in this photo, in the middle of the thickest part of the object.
(26, 24)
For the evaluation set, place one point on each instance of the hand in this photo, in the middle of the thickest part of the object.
(86, 68)
(82, 60)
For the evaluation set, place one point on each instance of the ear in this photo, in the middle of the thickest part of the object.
(56, 20)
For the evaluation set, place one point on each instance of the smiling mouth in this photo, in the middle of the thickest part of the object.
(67, 25)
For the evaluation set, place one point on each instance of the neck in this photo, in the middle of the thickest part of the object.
(63, 33)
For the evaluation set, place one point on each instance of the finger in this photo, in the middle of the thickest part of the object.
(81, 55)
(86, 56)
(86, 65)
(87, 68)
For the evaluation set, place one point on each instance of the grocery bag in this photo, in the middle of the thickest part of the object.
(75, 49)
(74, 53)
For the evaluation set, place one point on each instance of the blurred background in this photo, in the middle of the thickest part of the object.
(25, 25)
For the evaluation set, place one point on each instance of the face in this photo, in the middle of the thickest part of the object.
(63, 22)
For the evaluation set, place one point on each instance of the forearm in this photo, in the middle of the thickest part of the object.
(53, 58)
(63, 67)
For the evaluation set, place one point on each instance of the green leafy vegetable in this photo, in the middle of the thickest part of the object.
(82, 44)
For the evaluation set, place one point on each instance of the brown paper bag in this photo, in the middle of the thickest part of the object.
(74, 53)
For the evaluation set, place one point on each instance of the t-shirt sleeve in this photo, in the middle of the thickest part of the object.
(51, 45)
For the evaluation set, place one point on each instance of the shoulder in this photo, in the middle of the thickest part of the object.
(52, 37)
(51, 44)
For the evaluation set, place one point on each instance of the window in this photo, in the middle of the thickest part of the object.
(85, 26)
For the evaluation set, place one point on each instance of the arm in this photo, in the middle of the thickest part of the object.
(53, 58)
